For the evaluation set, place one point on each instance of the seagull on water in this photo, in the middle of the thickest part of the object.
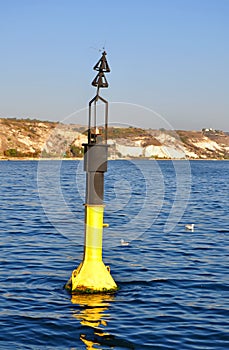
(190, 227)
(124, 243)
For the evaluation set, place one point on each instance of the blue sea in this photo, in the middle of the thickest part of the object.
(173, 282)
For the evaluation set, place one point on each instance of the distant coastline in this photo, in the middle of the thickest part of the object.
(118, 159)
(26, 139)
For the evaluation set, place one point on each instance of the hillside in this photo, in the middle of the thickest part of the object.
(25, 138)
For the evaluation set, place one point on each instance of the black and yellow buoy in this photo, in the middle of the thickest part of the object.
(92, 276)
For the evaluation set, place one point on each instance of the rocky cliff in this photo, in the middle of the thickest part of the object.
(25, 138)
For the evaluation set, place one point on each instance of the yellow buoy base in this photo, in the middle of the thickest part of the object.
(91, 277)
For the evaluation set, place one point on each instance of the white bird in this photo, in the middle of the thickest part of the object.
(124, 243)
(190, 227)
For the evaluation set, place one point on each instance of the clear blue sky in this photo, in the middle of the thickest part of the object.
(171, 56)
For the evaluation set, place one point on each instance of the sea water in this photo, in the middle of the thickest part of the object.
(173, 282)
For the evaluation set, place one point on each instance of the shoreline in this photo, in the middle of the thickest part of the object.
(127, 158)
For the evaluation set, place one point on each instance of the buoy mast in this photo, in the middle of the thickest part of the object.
(92, 276)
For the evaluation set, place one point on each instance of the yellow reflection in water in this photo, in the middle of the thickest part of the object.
(93, 314)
